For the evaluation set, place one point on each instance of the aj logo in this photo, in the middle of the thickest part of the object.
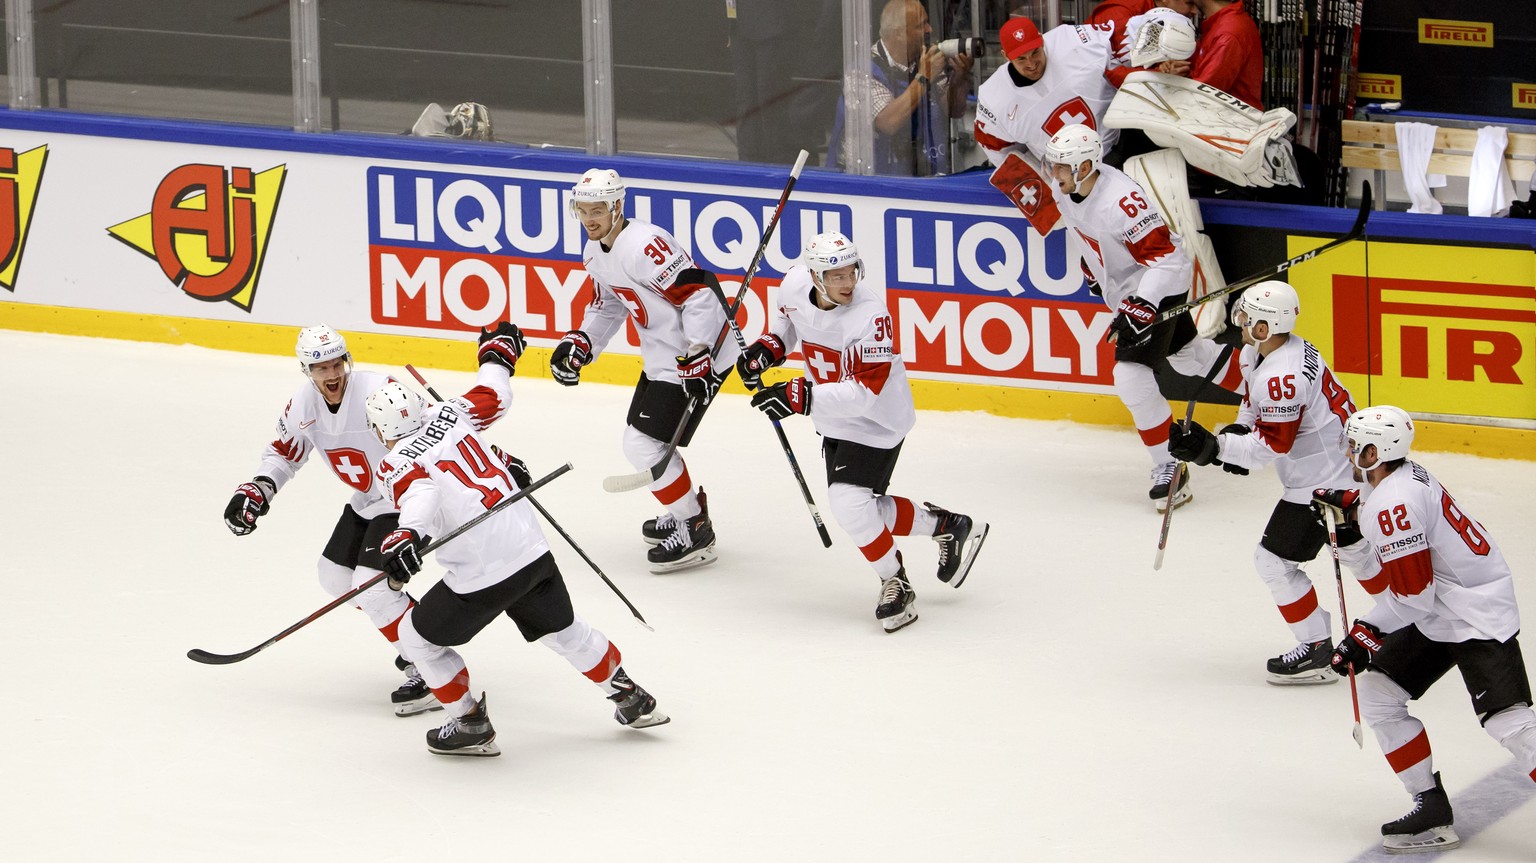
(208, 229)
(20, 176)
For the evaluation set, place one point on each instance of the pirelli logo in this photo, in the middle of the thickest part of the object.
(1374, 85)
(1525, 96)
(1467, 34)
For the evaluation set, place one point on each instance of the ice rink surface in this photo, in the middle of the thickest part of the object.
(1068, 703)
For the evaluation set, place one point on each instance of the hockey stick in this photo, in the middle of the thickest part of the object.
(641, 479)
(1338, 577)
(1189, 416)
(794, 464)
(1355, 233)
(203, 656)
(552, 523)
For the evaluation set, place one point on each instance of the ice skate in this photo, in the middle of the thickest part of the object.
(413, 696)
(470, 734)
(896, 597)
(690, 544)
(656, 530)
(1305, 664)
(633, 706)
(1426, 828)
(959, 541)
(1162, 476)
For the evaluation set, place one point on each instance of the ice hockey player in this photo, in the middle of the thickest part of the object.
(326, 416)
(1292, 416)
(1450, 602)
(856, 393)
(441, 474)
(640, 272)
(1138, 266)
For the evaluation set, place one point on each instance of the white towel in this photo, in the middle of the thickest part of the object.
(1415, 142)
(1489, 190)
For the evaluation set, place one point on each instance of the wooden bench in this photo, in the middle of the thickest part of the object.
(1373, 146)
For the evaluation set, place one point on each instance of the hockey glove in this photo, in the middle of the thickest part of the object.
(573, 352)
(1195, 444)
(1235, 429)
(1357, 649)
(759, 357)
(696, 372)
(251, 501)
(1345, 503)
(401, 559)
(783, 399)
(1133, 322)
(514, 465)
(502, 345)
(1089, 281)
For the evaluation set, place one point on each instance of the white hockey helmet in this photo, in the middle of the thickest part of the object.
(1274, 302)
(1389, 428)
(1163, 35)
(1073, 145)
(831, 250)
(394, 411)
(319, 345)
(599, 185)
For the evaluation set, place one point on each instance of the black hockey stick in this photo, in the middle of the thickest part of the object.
(1355, 233)
(641, 479)
(1338, 577)
(794, 464)
(552, 523)
(1189, 417)
(203, 656)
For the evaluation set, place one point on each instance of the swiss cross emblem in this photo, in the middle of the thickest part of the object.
(1018, 35)
(824, 364)
(1074, 110)
(351, 467)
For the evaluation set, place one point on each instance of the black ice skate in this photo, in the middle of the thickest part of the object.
(896, 597)
(413, 696)
(959, 541)
(656, 530)
(691, 543)
(1426, 828)
(633, 706)
(1305, 664)
(470, 734)
(1162, 476)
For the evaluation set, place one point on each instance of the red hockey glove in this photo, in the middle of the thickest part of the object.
(401, 559)
(1357, 649)
(502, 345)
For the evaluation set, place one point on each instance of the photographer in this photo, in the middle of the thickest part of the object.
(916, 90)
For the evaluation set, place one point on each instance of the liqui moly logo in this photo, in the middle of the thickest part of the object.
(208, 229)
(1468, 34)
(21, 175)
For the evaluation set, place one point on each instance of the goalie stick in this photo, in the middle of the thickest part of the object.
(199, 655)
(1189, 416)
(552, 523)
(1338, 577)
(641, 479)
(1355, 232)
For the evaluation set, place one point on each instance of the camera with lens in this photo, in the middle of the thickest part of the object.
(975, 46)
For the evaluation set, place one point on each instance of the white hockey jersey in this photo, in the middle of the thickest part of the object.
(1123, 242)
(445, 475)
(1072, 90)
(341, 437)
(1445, 573)
(1296, 409)
(635, 279)
(861, 392)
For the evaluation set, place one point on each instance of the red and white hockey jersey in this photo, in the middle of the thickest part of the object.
(861, 392)
(1072, 90)
(1123, 242)
(445, 475)
(1445, 574)
(1297, 410)
(635, 279)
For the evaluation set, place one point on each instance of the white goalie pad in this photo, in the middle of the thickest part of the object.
(1164, 176)
(1217, 132)
(470, 120)
(1158, 35)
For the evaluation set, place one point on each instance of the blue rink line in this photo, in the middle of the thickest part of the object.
(1486, 803)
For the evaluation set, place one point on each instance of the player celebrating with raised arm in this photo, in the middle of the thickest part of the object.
(1139, 267)
(1292, 415)
(442, 474)
(1450, 601)
(327, 416)
(859, 400)
(641, 272)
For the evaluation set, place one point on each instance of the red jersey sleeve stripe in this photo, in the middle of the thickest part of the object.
(871, 375)
(292, 450)
(681, 291)
(404, 482)
(1152, 247)
(485, 406)
(990, 141)
(1409, 574)
(1280, 437)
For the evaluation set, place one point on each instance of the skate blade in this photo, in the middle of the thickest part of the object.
(419, 706)
(972, 548)
(1184, 496)
(702, 557)
(1310, 678)
(487, 749)
(650, 720)
(900, 621)
(1433, 839)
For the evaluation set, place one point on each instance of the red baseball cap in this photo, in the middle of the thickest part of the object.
(1019, 36)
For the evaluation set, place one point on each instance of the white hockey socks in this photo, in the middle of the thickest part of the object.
(441, 667)
(1402, 738)
(587, 650)
(857, 511)
(1293, 594)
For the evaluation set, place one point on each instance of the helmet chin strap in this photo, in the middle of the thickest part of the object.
(617, 211)
(821, 291)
